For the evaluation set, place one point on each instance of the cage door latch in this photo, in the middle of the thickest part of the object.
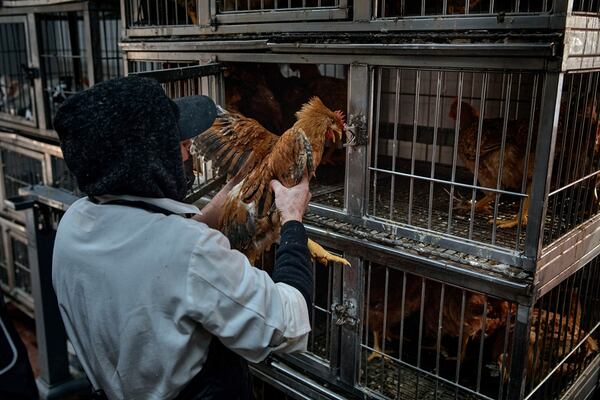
(344, 314)
(356, 130)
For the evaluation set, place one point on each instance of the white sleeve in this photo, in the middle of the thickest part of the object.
(240, 304)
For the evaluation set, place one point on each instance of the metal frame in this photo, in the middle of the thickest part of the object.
(97, 59)
(364, 20)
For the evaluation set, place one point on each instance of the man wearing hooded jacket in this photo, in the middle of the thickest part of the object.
(156, 304)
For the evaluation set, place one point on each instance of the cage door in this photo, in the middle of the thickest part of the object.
(17, 101)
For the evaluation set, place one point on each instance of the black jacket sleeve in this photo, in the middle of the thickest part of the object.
(293, 265)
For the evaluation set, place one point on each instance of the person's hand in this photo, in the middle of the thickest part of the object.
(291, 202)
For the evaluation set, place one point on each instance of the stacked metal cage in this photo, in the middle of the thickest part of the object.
(466, 195)
(48, 51)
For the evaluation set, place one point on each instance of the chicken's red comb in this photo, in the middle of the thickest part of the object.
(340, 117)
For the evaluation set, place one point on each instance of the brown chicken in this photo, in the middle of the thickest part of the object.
(473, 319)
(332, 91)
(395, 311)
(239, 145)
(476, 305)
(190, 7)
(513, 159)
(490, 156)
(558, 333)
(247, 92)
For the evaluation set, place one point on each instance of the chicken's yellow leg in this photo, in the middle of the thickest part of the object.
(376, 353)
(511, 223)
(322, 256)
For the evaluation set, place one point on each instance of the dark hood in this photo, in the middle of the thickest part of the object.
(122, 137)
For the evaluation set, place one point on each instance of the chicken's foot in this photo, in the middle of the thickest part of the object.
(511, 223)
(481, 206)
(322, 256)
(377, 352)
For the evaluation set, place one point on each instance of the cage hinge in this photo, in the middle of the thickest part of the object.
(344, 314)
(356, 130)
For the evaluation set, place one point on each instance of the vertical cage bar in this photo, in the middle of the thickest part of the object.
(546, 137)
(411, 189)
(356, 156)
(376, 117)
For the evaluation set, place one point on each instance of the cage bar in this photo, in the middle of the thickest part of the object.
(423, 159)
(16, 95)
(436, 8)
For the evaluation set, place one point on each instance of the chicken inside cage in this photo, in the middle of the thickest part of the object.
(463, 143)
(272, 94)
(402, 8)
(421, 335)
(432, 329)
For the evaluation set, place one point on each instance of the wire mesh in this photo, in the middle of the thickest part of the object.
(405, 8)
(452, 152)
(573, 197)
(426, 339)
(261, 5)
(15, 87)
(161, 12)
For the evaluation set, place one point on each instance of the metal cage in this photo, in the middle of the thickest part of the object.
(16, 89)
(15, 275)
(49, 51)
(444, 341)
(185, 17)
(64, 40)
(27, 162)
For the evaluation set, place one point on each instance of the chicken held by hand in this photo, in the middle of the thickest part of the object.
(240, 146)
